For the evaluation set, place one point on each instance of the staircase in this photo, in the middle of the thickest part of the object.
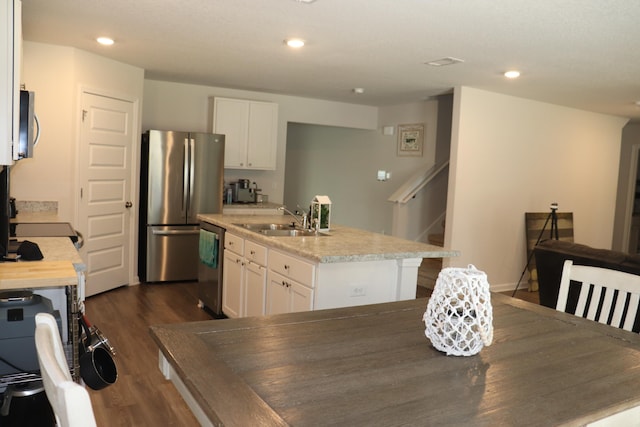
(430, 267)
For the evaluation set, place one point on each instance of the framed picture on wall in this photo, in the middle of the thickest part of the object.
(410, 139)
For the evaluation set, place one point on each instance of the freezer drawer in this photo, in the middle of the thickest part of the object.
(172, 253)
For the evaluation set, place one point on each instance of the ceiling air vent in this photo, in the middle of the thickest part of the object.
(449, 60)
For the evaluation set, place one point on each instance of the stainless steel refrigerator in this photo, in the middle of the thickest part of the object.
(181, 176)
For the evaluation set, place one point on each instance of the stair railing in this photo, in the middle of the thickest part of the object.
(416, 183)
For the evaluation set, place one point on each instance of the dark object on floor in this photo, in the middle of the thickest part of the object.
(26, 405)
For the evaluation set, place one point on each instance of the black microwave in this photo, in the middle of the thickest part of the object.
(27, 139)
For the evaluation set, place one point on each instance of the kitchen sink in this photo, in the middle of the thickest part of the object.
(293, 232)
(267, 226)
(280, 230)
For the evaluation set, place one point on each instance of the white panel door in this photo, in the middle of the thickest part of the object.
(106, 141)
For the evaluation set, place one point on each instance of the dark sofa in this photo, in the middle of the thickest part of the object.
(551, 254)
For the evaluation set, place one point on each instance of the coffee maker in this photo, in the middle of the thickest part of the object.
(242, 192)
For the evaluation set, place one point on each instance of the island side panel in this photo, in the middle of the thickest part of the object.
(356, 283)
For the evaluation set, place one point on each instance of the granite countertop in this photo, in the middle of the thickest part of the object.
(341, 244)
(267, 205)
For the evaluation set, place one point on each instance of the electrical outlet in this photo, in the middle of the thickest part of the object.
(357, 291)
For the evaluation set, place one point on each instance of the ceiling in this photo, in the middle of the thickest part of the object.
(578, 53)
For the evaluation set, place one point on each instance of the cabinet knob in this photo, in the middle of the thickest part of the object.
(253, 252)
(286, 267)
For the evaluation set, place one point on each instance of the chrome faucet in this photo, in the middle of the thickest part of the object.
(304, 222)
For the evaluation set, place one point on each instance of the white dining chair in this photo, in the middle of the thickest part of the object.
(70, 401)
(606, 296)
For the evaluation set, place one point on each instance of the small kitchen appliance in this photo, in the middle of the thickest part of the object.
(18, 310)
(243, 193)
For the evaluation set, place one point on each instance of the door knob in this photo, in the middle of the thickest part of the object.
(128, 205)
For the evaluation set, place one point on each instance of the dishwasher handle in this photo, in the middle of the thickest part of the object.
(173, 232)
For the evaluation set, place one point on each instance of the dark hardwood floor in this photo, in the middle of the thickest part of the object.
(141, 396)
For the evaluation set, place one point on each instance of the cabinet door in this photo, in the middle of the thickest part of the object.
(286, 296)
(301, 297)
(277, 294)
(10, 52)
(232, 284)
(230, 118)
(255, 282)
(263, 135)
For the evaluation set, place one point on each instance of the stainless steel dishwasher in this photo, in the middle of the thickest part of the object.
(211, 251)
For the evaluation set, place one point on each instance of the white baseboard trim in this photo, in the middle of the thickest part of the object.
(504, 287)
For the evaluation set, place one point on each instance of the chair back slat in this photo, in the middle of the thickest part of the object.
(634, 301)
(606, 296)
(618, 309)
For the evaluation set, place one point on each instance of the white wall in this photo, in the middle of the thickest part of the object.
(57, 74)
(49, 72)
(343, 163)
(510, 156)
(178, 106)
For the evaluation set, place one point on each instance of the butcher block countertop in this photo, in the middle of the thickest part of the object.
(341, 244)
(56, 269)
(372, 366)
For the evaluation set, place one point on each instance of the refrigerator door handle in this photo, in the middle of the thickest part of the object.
(185, 178)
(174, 232)
(192, 169)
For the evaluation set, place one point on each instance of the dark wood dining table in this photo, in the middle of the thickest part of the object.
(373, 366)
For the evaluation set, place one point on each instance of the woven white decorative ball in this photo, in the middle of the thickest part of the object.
(459, 316)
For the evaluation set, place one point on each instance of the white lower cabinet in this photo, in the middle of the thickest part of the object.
(244, 277)
(260, 279)
(290, 284)
(286, 295)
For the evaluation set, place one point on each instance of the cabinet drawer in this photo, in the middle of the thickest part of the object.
(292, 268)
(234, 243)
(255, 252)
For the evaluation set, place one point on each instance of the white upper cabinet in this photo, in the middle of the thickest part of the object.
(251, 132)
(10, 48)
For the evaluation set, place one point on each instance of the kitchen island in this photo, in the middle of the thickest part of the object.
(343, 267)
(339, 245)
(372, 365)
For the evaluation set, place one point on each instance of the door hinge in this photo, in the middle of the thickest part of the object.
(81, 193)
(84, 114)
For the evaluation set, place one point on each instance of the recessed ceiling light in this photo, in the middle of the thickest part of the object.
(105, 41)
(305, 1)
(358, 90)
(512, 74)
(294, 43)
